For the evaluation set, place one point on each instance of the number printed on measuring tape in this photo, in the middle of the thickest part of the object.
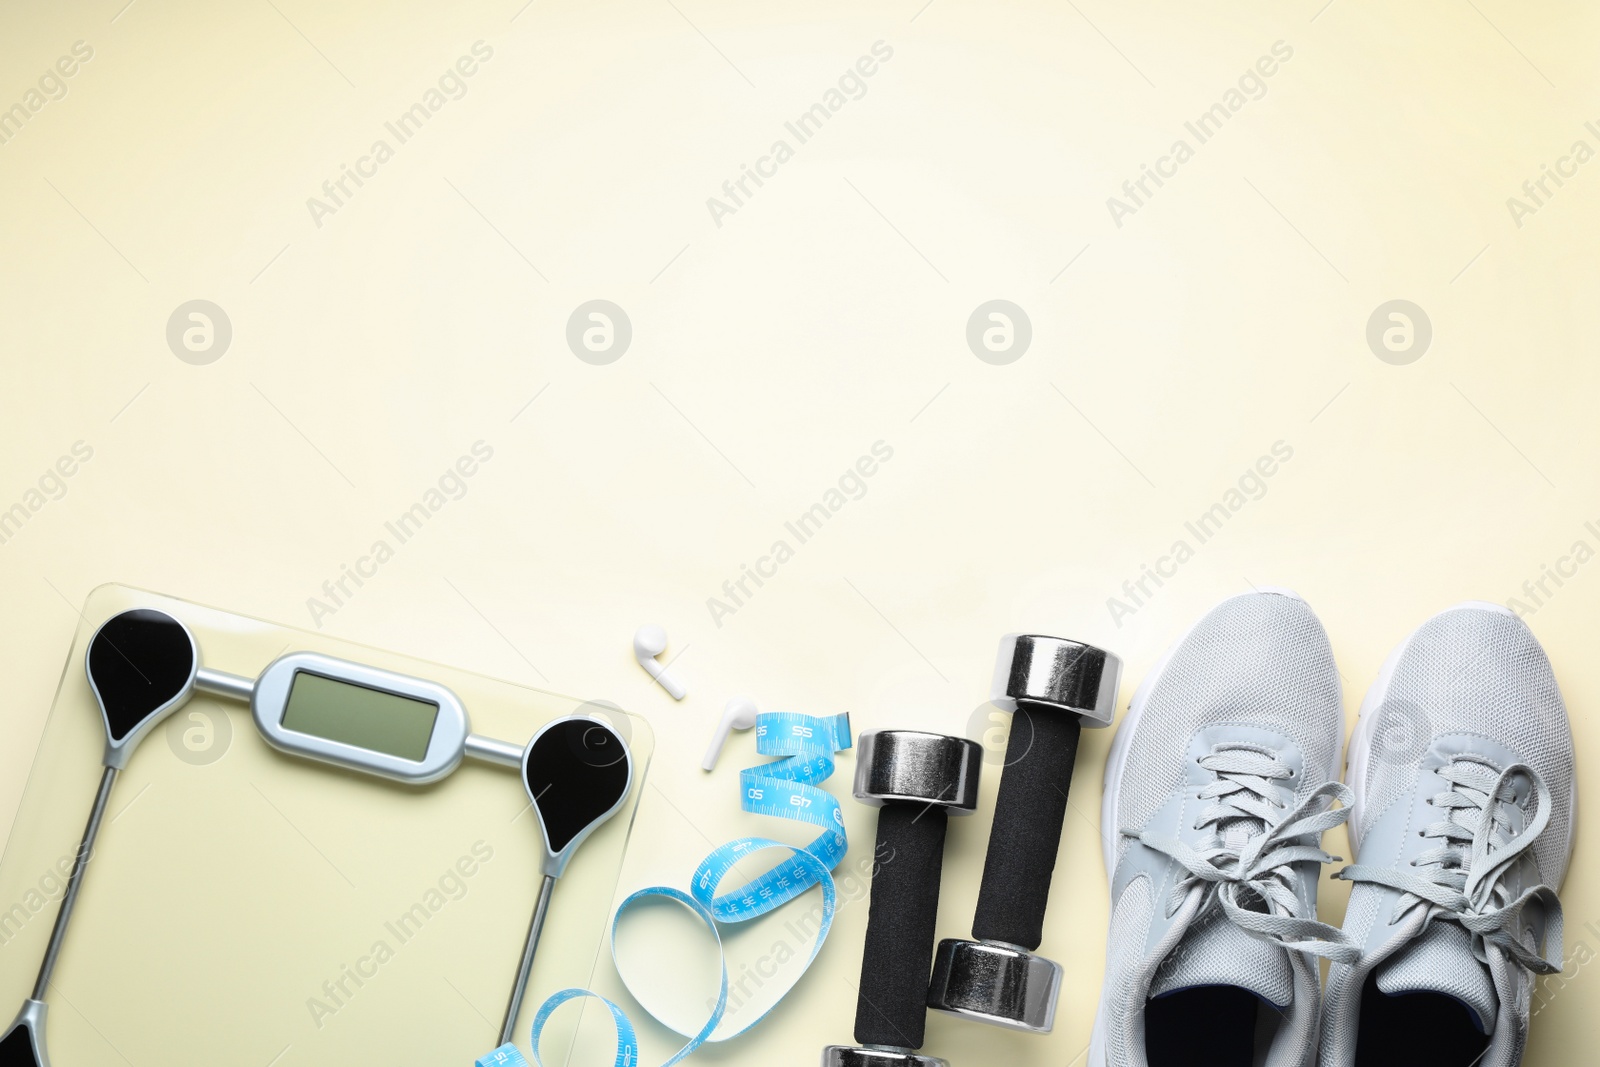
(786, 789)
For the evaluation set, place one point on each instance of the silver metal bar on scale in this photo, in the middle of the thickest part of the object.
(488, 750)
(535, 928)
(74, 882)
(223, 684)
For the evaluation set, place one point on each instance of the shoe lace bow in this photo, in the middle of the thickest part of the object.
(1462, 879)
(1246, 867)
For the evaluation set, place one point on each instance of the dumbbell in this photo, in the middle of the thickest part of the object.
(916, 780)
(1053, 687)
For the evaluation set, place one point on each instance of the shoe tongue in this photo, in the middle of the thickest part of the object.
(1440, 960)
(1216, 952)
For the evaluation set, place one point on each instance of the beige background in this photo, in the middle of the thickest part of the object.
(828, 313)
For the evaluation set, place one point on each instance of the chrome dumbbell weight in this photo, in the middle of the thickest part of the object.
(1054, 687)
(916, 780)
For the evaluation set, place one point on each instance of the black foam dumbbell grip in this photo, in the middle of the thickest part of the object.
(892, 1006)
(1028, 813)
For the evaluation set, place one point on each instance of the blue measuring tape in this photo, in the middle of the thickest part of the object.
(785, 789)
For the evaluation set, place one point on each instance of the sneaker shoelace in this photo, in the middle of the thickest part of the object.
(1462, 880)
(1247, 866)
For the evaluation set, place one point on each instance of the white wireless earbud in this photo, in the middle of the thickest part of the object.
(648, 643)
(740, 714)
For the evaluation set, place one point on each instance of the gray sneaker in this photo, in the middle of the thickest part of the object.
(1217, 793)
(1462, 769)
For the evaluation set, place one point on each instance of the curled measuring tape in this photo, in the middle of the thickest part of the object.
(786, 789)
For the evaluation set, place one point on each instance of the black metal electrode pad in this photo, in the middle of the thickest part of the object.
(576, 771)
(138, 662)
(17, 1049)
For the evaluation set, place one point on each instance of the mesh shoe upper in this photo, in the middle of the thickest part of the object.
(1478, 671)
(1263, 660)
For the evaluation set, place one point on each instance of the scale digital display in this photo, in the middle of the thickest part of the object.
(371, 719)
